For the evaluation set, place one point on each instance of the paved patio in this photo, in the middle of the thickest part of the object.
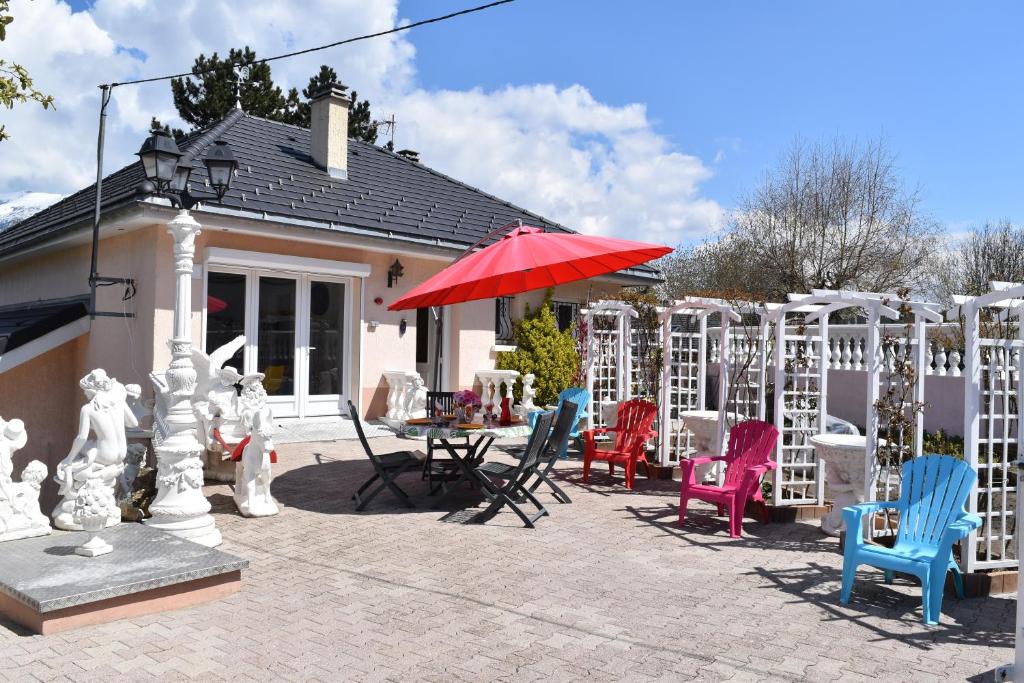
(608, 588)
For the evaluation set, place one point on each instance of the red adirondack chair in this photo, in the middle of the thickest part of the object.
(749, 457)
(632, 431)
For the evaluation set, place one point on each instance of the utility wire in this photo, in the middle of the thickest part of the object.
(397, 29)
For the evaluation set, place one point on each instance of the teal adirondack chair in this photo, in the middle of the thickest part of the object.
(579, 396)
(932, 518)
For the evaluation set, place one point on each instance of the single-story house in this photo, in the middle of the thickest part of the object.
(297, 256)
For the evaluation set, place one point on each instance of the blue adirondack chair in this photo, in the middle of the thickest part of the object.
(932, 518)
(580, 397)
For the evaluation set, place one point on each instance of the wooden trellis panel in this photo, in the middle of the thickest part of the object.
(798, 415)
(609, 357)
(683, 384)
(995, 457)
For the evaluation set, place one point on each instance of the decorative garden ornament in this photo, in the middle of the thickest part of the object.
(416, 402)
(180, 508)
(529, 393)
(255, 455)
(100, 459)
(133, 462)
(90, 512)
(506, 412)
(20, 516)
(215, 403)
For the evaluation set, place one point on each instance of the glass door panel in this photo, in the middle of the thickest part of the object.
(225, 314)
(326, 338)
(276, 335)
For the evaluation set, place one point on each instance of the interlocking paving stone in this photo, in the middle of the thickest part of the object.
(608, 588)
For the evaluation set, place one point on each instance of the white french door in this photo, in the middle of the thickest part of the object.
(296, 328)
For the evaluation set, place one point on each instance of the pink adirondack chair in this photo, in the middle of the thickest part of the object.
(632, 430)
(749, 457)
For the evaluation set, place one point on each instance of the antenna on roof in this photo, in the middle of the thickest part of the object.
(241, 74)
(389, 126)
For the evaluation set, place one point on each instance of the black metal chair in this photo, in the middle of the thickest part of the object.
(514, 492)
(386, 467)
(442, 467)
(564, 424)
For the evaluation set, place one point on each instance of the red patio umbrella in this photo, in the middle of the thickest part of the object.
(527, 259)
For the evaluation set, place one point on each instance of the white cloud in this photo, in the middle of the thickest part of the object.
(559, 152)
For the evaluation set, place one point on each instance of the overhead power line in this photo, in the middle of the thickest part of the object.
(397, 29)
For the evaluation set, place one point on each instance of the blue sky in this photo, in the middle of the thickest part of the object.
(727, 87)
(941, 81)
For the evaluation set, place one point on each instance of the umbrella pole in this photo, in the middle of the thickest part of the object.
(438, 312)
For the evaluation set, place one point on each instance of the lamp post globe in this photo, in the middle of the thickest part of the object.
(159, 155)
(179, 183)
(220, 166)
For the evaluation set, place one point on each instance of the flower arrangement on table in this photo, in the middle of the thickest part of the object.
(465, 403)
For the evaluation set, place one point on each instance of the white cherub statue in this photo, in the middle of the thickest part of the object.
(252, 468)
(416, 400)
(106, 415)
(529, 393)
(20, 516)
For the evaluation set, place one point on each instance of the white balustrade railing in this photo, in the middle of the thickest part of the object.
(846, 348)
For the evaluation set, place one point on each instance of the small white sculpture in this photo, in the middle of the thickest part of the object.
(90, 512)
(252, 470)
(529, 393)
(20, 516)
(215, 403)
(416, 400)
(101, 459)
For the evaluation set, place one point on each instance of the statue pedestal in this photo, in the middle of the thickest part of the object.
(844, 457)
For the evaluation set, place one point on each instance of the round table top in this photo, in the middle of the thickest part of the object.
(450, 432)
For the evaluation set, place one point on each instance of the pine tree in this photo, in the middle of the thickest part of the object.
(209, 95)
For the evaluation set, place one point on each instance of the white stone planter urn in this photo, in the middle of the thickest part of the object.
(703, 424)
(844, 457)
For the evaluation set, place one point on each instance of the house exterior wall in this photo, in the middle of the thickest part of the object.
(44, 391)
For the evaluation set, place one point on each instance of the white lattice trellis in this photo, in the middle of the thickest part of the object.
(609, 356)
(993, 343)
(802, 361)
(684, 327)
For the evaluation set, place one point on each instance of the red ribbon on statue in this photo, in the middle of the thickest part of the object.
(236, 454)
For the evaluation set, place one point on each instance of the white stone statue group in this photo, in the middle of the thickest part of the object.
(20, 516)
(100, 467)
(238, 430)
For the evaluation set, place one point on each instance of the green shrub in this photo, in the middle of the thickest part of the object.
(549, 354)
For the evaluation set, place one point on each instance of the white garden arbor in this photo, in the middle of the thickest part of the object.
(802, 363)
(684, 338)
(609, 357)
(993, 325)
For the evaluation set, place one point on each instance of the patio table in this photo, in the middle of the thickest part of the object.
(472, 456)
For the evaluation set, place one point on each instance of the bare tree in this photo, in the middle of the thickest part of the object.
(993, 251)
(830, 216)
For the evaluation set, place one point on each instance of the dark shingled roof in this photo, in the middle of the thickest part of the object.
(385, 194)
(23, 323)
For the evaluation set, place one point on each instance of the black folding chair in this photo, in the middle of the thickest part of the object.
(514, 492)
(387, 467)
(556, 442)
(444, 467)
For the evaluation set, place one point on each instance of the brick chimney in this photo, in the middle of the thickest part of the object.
(328, 127)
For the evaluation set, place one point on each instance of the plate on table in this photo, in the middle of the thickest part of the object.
(418, 421)
(469, 425)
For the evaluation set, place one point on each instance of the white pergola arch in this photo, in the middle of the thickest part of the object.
(684, 369)
(801, 390)
(609, 357)
(992, 424)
